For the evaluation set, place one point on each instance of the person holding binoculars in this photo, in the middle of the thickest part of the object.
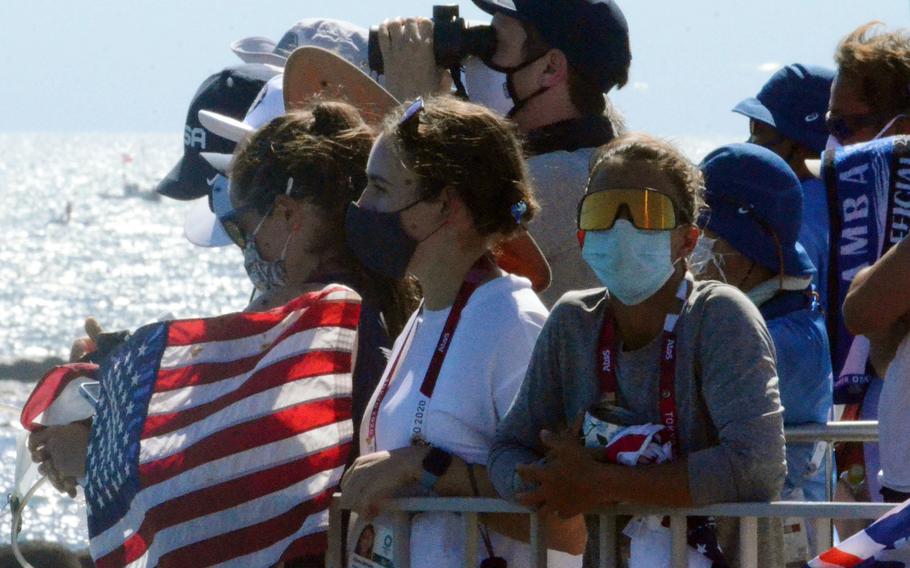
(556, 61)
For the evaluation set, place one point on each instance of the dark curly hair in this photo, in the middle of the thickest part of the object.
(879, 62)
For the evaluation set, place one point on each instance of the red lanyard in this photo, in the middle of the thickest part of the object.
(607, 351)
(479, 272)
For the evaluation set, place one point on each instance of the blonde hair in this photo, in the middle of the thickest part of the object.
(879, 62)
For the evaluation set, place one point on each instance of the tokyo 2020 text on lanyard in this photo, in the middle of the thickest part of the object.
(608, 349)
(479, 273)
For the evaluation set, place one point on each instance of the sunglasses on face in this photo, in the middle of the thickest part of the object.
(648, 210)
(845, 126)
(229, 219)
(410, 120)
(233, 229)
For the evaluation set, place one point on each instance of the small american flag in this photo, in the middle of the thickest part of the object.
(220, 441)
(57, 399)
(884, 544)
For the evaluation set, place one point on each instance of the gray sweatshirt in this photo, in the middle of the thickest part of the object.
(559, 184)
(730, 417)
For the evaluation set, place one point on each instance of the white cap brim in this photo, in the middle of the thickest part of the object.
(225, 126)
(814, 167)
(202, 228)
(258, 50)
(221, 162)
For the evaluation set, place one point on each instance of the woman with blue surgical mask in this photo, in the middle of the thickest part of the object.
(653, 347)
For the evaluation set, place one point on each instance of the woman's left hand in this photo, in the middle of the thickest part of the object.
(375, 478)
(565, 484)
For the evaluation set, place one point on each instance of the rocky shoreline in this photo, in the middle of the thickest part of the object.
(28, 370)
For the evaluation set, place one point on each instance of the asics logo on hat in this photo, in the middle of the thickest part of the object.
(194, 136)
(812, 117)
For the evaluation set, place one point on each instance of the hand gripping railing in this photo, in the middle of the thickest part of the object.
(748, 513)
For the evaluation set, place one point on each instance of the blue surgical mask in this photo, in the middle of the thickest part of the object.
(264, 274)
(633, 264)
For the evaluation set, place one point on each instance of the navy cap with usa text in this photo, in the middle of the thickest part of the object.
(230, 92)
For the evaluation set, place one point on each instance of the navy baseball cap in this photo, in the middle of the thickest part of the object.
(230, 92)
(754, 196)
(794, 101)
(593, 34)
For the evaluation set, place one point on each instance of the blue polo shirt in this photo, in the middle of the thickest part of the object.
(800, 340)
(815, 232)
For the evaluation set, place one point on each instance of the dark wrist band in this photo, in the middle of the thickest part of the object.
(435, 465)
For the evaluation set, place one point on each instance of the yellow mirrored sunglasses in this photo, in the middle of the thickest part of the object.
(648, 209)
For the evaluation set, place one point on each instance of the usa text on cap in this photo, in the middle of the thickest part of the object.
(228, 92)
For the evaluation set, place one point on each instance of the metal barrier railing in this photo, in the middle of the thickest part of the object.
(857, 431)
(748, 513)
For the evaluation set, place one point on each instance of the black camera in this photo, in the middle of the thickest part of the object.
(453, 41)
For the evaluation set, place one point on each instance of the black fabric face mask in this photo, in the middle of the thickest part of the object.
(517, 103)
(379, 240)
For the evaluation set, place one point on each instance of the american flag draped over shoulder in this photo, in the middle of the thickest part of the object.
(220, 441)
(884, 544)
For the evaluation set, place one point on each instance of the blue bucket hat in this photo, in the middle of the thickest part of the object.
(794, 101)
(593, 34)
(756, 205)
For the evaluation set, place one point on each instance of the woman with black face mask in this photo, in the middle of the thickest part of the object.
(447, 201)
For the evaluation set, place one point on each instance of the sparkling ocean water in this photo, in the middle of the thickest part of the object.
(120, 258)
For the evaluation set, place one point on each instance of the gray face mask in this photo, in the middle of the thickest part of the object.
(265, 275)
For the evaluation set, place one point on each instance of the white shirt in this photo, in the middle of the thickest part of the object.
(894, 422)
(482, 372)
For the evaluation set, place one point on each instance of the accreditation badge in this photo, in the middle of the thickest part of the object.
(373, 544)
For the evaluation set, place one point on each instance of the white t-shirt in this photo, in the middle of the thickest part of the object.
(482, 372)
(894, 422)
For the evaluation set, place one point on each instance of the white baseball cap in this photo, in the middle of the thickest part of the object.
(346, 39)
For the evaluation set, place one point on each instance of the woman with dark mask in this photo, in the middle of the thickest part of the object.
(448, 190)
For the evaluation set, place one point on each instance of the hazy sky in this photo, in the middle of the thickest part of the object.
(132, 65)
